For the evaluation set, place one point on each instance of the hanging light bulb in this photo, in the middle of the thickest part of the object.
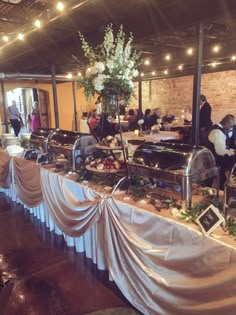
(37, 23)
(216, 48)
(20, 36)
(153, 72)
(60, 6)
(167, 57)
(166, 71)
(180, 67)
(79, 74)
(142, 74)
(5, 38)
(147, 62)
(69, 76)
(190, 51)
(233, 58)
(214, 64)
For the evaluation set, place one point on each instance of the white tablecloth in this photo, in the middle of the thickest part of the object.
(162, 266)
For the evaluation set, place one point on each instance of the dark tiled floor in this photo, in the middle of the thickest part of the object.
(49, 278)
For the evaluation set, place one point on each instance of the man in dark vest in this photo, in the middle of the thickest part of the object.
(225, 158)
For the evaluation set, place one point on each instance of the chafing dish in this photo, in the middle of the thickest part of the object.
(39, 138)
(180, 164)
(74, 146)
(230, 194)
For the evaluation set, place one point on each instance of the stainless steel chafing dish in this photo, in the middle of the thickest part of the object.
(39, 138)
(74, 146)
(230, 194)
(180, 164)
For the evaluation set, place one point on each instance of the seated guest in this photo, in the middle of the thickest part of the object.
(168, 118)
(146, 118)
(122, 108)
(132, 119)
(104, 127)
(187, 115)
(225, 158)
(156, 115)
(93, 120)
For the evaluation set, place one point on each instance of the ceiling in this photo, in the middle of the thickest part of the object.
(159, 27)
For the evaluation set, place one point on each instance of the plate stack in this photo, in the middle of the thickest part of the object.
(25, 140)
(9, 139)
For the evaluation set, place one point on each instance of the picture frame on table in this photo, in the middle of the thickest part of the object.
(209, 220)
(28, 154)
(42, 158)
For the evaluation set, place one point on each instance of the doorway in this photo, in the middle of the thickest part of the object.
(25, 98)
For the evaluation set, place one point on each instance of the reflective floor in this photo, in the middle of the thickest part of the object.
(43, 276)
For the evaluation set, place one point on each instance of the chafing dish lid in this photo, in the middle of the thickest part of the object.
(41, 133)
(232, 178)
(64, 137)
(174, 157)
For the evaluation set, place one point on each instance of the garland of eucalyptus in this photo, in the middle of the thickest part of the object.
(192, 214)
(139, 191)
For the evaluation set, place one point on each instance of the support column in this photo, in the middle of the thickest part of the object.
(55, 101)
(74, 106)
(197, 85)
(140, 99)
(4, 106)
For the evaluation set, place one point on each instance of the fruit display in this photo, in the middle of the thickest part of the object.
(110, 142)
(108, 163)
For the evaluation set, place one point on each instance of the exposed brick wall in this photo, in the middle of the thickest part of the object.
(175, 94)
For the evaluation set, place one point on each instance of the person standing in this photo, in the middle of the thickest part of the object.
(217, 143)
(204, 119)
(14, 117)
(35, 114)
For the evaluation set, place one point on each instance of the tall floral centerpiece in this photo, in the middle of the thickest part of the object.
(112, 66)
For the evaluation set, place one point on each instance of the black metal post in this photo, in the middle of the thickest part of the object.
(54, 89)
(4, 106)
(197, 85)
(140, 100)
(74, 106)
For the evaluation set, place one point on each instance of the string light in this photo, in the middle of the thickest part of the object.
(79, 74)
(20, 36)
(180, 67)
(167, 57)
(69, 76)
(147, 62)
(216, 49)
(233, 58)
(141, 74)
(5, 38)
(214, 64)
(37, 23)
(190, 51)
(165, 72)
(60, 6)
(153, 72)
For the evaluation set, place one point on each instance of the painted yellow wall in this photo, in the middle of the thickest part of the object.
(65, 105)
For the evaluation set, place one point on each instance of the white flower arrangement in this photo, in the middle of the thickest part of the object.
(112, 65)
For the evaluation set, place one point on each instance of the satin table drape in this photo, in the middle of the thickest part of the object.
(162, 266)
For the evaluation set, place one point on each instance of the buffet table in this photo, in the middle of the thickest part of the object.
(163, 266)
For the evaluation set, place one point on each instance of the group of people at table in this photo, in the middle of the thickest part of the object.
(102, 125)
(220, 138)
